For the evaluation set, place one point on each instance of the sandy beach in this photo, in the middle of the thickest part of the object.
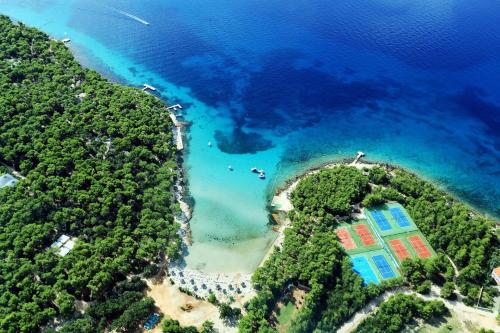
(224, 286)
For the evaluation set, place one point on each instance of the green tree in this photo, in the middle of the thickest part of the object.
(173, 326)
(448, 290)
(207, 327)
(99, 163)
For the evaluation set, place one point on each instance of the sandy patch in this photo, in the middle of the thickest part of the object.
(171, 302)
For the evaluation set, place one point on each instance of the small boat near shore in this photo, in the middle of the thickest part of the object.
(254, 170)
(262, 175)
(230, 168)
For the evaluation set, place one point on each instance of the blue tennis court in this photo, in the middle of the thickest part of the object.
(400, 217)
(381, 220)
(383, 267)
(361, 266)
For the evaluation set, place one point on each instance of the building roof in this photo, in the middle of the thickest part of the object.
(7, 180)
(64, 244)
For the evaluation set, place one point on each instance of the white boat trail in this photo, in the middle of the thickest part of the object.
(129, 15)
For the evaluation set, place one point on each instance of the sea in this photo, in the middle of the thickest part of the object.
(284, 86)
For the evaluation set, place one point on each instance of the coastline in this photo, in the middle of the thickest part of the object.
(234, 284)
(94, 60)
(180, 187)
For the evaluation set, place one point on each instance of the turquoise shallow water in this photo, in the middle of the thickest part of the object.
(284, 86)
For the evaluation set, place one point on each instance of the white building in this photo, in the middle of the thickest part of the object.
(7, 180)
(64, 244)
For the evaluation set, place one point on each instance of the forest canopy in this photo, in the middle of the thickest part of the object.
(99, 164)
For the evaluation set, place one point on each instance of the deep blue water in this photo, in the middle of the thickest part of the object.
(286, 85)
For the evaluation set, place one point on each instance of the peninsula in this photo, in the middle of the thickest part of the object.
(356, 234)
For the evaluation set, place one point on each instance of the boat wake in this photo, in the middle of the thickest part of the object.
(129, 15)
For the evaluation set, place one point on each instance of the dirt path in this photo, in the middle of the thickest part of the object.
(14, 172)
(351, 324)
(455, 268)
(170, 301)
(463, 312)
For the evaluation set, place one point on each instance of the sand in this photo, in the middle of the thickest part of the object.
(170, 301)
(223, 285)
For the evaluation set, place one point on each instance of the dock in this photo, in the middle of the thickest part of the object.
(174, 107)
(173, 117)
(358, 157)
(148, 87)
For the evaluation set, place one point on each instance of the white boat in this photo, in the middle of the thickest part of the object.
(262, 175)
(254, 170)
(230, 168)
(261, 171)
(210, 143)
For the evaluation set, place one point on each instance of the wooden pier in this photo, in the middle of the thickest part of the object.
(174, 107)
(358, 157)
(148, 87)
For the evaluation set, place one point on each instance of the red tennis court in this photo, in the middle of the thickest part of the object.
(400, 249)
(419, 246)
(346, 239)
(365, 234)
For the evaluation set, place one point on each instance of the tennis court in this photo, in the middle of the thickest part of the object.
(383, 266)
(361, 266)
(345, 238)
(399, 217)
(364, 234)
(381, 220)
(399, 249)
(419, 246)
